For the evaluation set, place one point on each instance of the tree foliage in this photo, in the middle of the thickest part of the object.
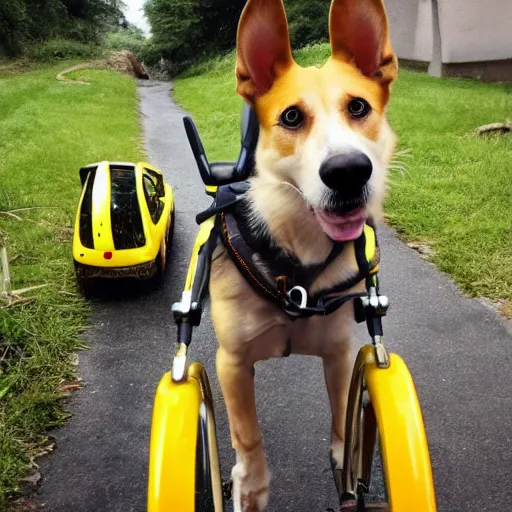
(130, 38)
(185, 31)
(28, 22)
(308, 21)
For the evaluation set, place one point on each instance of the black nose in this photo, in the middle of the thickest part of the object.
(348, 172)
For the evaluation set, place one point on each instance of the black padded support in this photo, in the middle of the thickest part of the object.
(202, 272)
(250, 133)
(198, 151)
(222, 173)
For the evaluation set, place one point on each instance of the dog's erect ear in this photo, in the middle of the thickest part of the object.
(263, 47)
(359, 34)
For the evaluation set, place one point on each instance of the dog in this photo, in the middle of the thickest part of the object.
(320, 172)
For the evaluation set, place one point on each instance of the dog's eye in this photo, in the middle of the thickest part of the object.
(292, 118)
(358, 108)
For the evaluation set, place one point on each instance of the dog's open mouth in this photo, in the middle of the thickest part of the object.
(342, 227)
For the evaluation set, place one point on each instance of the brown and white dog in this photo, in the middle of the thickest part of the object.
(321, 161)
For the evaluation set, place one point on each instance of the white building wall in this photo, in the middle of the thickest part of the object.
(475, 30)
(411, 28)
(471, 30)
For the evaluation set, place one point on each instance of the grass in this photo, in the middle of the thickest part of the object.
(10, 67)
(49, 129)
(455, 194)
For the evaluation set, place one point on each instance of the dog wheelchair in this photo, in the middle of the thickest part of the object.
(383, 408)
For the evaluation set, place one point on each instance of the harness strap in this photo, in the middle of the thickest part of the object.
(360, 249)
(236, 245)
(367, 262)
(226, 199)
(322, 303)
(277, 275)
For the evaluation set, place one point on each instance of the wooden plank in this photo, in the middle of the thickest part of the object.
(5, 276)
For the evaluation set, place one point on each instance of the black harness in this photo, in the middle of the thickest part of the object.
(274, 273)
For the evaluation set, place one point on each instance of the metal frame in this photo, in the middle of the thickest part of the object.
(382, 399)
(392, 410)
(382, 404)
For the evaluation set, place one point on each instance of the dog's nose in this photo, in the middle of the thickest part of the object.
(346, 172)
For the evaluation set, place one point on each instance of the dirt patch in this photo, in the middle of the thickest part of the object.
(126, 62)
(423, 249)
(123, 61)
(505, 308)
(502, 306)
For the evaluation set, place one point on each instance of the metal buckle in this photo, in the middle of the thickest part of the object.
(374, 300)
(303, 294)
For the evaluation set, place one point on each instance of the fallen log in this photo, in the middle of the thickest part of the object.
(495, 127)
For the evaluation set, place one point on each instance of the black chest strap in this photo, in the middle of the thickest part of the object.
(276, 287)
(276, 274)
(278, 265)
(226, 199)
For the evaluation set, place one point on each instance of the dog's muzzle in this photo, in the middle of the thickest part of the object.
(347, 176)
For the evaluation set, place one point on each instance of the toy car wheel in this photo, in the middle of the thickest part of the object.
(85, 286)
(170, 236)
(159, 278)
(160, 263)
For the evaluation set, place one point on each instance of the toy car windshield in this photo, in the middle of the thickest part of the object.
(127, 229)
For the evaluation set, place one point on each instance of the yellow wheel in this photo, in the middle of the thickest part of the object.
(184, 473)
(383, 406)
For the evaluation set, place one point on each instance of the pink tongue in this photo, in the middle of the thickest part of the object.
(342, 227)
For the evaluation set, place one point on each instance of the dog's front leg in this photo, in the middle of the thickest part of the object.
(337, 366)
(250, 474)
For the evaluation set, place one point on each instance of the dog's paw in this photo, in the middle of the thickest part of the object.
(337, 453)
(250, 487)
(336, 458)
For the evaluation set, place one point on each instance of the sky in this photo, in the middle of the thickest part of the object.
(135, 14)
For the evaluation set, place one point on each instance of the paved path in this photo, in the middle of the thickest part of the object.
(459, 353)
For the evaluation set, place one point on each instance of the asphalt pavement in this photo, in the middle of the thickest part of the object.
(459, 352)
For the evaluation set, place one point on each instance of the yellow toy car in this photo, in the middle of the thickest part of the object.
(124, 223)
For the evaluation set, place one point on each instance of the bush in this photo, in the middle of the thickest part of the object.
(186, 33)
(130, 39)
(59, 49)
(308, 22)
(24, 23)
(150, 54)
(219, 65)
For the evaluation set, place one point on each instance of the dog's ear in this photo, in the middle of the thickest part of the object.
(263, 47)
(359, 34)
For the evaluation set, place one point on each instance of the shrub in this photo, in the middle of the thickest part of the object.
(130, 39)
(59, 49)
(219, 65)
(150, 54)
(24, 23)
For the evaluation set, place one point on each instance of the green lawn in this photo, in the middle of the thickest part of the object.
(48, 130)
(455, 194)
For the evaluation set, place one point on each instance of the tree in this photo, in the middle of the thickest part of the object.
(219, 22)
(308, 21)
(25, 22)
(13, 26)
(174, 26)
(185, 31)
